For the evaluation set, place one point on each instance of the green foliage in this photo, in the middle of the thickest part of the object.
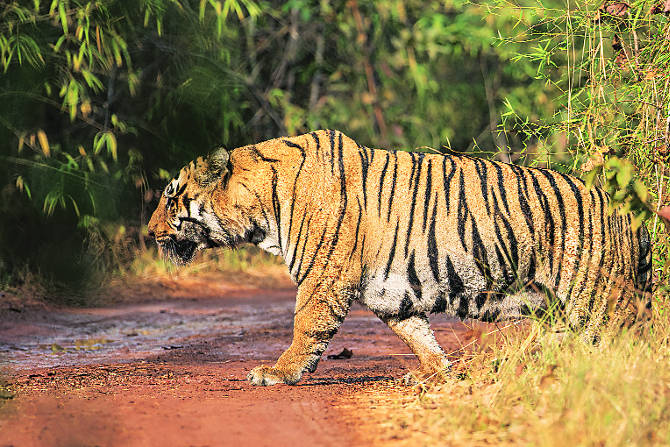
(609, 62)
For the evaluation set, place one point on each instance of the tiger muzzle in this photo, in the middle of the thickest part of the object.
(178, 251)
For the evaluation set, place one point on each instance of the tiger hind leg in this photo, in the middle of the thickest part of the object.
(415, 331)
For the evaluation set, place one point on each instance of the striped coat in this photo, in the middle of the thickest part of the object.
(407, 234)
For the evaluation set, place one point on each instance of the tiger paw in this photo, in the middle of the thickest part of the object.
(267, 375)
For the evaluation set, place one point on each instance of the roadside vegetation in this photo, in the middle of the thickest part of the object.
(525, 388)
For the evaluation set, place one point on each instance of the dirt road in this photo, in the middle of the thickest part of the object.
(172, 372)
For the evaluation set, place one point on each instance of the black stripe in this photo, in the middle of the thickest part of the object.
(362, 153)
(455, 282)
(362, 249)
(479, 254)
(426, 201)
(580, 213)
(343, 201)
(480, 167)
(463, 211)
(440, 304)
(512, 252)
(599, 272)
(180, 189)
(358, 226)
(411, 175)
(294, 145)
(304, 246)
(531, 268)
(405, 310)
(413, 278)
(446, 179)
(522, 194)
(257, 153)
(295, 183)
(316, 253)
(276, 206)
(481, 299)
(433, 253)
(590, 249)
(392, 192)
(381, 185)
(630, 244)
(297, 241)
(418, 164)
(564, 224)
(501, 186)
(548, 220)
(332, 152)
(508, 276)
(260, 203)
(318, 143)
(186, 202)
(323, 334)
(391, 253)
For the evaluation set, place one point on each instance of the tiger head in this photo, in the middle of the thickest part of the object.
(198, 209)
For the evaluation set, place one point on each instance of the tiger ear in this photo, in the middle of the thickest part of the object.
(216, 167)
(218, 162)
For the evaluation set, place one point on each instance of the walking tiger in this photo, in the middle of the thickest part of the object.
(407, 234)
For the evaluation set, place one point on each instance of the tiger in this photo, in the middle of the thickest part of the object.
(407, 234)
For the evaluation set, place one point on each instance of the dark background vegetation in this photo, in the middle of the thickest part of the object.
(101, 102)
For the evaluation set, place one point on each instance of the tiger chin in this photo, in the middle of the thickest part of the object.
(408, 234)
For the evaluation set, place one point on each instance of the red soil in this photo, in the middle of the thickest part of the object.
(172, 372)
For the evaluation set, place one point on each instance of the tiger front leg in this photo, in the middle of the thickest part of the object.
(318, 315)
(415, 331)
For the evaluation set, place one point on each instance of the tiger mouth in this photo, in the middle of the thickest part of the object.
(178, 251)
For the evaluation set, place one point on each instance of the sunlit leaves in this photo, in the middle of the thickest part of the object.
(108, 140)
(62, 16)
(44, 143)
(22, 186)
(222, 9)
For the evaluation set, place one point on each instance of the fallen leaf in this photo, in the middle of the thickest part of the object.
(345, 354)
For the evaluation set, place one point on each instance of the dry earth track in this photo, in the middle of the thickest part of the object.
(172, 372)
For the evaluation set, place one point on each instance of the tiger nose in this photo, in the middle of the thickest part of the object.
(151, 233)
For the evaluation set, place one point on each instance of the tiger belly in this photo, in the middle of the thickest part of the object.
(461, 292)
